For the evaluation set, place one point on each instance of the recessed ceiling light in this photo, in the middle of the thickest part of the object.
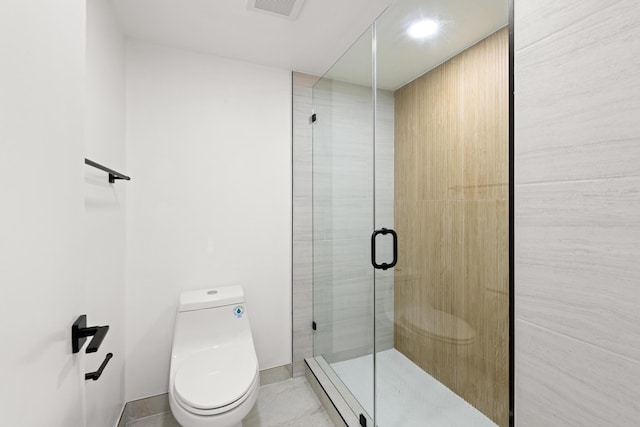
(423, 29)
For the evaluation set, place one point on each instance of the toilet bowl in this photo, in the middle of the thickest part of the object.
(214, 375)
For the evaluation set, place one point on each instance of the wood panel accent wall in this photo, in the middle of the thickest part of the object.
(451, 215)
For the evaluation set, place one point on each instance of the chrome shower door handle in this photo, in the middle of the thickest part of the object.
(384, 265)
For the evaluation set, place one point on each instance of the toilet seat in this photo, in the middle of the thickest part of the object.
(215, 380)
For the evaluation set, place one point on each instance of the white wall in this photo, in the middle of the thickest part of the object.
(209, 151)
(104, 208)
(577, 213)
(41, 169)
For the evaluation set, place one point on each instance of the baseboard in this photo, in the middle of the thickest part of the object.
(143, 408)
(275, 375)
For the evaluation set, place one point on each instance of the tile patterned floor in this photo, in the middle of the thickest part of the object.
(289, 403)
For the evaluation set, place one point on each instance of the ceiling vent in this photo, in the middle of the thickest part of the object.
(283, 8)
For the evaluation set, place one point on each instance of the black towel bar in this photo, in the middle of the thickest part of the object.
(113, 175)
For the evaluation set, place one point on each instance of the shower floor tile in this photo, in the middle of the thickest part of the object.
(290, 403)
(408, 396)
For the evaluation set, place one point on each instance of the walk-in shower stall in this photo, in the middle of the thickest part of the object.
(411, 215)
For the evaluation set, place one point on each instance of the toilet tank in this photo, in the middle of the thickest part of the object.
(210, 298)
(211, 318)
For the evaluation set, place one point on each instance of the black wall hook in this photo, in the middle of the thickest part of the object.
(80, 332)
(95, 375)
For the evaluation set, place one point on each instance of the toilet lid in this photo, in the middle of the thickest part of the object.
(215, 377)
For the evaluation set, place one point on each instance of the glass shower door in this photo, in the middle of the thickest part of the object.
(411, 217)
(442, 183)
(342, 223)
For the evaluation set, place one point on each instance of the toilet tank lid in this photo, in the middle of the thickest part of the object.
(211, 297)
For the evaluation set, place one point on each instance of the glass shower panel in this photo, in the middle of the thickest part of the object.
(342, 224)
(442, 182)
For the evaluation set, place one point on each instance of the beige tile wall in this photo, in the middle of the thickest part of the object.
(577, 213)
(344, 209)
(344, 219)
(302, 225)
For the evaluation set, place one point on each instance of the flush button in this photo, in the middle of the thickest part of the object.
(212, 292)
(238, 311)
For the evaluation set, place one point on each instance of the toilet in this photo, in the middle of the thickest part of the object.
(214, 376)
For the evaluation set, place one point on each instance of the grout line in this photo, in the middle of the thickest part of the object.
(572, 181)
(563, 29)
(611, 352)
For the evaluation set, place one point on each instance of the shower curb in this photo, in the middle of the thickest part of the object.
(341, 414)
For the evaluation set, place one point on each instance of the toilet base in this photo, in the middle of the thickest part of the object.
(231, 418)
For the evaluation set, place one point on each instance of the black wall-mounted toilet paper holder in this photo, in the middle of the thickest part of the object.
(95, 375)
(80, 332)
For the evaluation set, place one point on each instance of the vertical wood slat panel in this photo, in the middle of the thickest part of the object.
(451, 215)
